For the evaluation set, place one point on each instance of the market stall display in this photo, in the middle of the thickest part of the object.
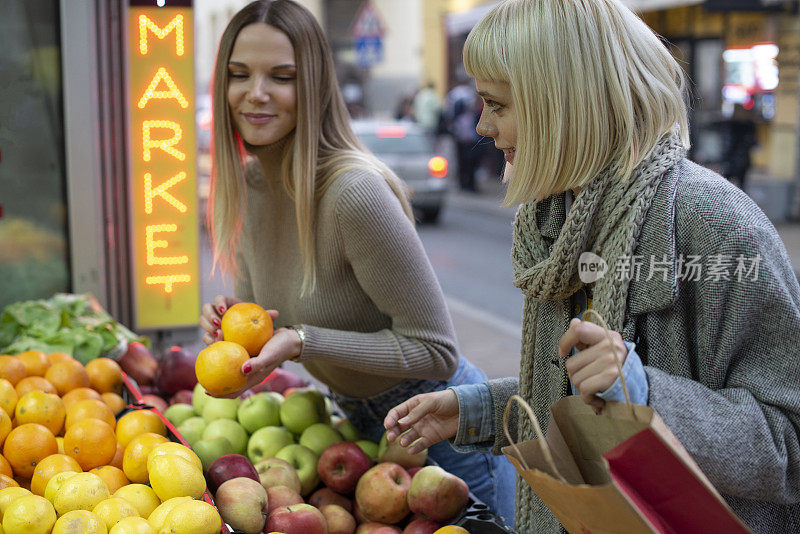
(135, 442)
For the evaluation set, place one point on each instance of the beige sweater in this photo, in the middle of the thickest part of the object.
(378, 315)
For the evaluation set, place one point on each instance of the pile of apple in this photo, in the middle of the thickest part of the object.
(278, 463)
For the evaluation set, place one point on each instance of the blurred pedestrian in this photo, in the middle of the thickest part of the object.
(468, 143)
(427, 108)
(405, 108)
(740, 138)
(316, 227)
(588, 106)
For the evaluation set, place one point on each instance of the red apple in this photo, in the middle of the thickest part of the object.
(381, 493)
(227, 467)
(339, 520)
(325, 496)
(341, 465)
(374, 527)
(413, 471)
(148, 389)
(156, 402)
(438, 495)
(422, 526)
(280, 496)
(279, 380)
(277, 472)
(242, 503)
(183, 396)
(139, 363)
(297, 519)
(176, 371)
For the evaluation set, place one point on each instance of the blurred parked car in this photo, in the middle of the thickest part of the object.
(407, 149)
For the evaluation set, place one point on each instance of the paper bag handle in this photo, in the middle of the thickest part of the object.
(614, 350)
(548, 457)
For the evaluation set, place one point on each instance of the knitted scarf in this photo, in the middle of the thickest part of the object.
(606, 219)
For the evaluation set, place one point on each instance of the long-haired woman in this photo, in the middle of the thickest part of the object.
(314, 226)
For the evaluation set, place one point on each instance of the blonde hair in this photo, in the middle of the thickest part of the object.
(593, 88)
(320, 149)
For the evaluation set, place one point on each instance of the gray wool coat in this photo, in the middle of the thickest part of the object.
(722, 358)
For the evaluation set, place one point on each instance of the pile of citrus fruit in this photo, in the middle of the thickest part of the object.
(246, 327)
(68, 465)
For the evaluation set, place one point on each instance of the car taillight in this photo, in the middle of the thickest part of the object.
(391, 132)
(437, 166)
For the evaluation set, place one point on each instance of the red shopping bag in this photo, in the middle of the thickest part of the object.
(619, 471)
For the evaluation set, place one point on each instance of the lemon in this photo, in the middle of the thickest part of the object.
(156, 519)
(174, 476)
(79, 522)
(174, 448)
(80, 492)
(192, 517)
(55, 482)
(132, 525)
(29, 514)
(113, 509)
(142, 497)
(9, 495)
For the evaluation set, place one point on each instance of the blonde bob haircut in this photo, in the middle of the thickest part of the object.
(593, 88)
(321, 148)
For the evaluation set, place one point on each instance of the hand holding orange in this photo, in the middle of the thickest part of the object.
(247, 324)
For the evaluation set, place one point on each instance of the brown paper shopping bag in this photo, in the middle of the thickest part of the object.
(620, 471)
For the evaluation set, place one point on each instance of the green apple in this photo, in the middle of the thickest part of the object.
(348, 430)
(304, 461)
(266, 442)
(192, 429)
(370, 448)
(178, 413)
(394, 452)
(274, 394)
(220, 409)
(302, 409)
(259, 411)
(209, 450)
(229, 429)
(319, 437)
(199, 398)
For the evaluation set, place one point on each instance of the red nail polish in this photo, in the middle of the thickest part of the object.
(246, 368)
(216, 322)
(222, 309)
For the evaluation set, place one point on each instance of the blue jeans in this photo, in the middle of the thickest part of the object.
(492, 479)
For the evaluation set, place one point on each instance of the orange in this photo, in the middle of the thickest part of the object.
(80, 394)
(247, 324)
(7, 482)
(8, 398)
(91, 442)
(43, 408)
(36, 362)
(26, 446)
(48, 468)
(105, 375)
(5, 467)
(116, 461)
(5, 426)
(112, 476)
(219, 367)
(60, 443)
(134, 461)
(32, 383)
(66, 376)
(86, 408)
(12, 369)
(114, 401)
(56, 357)
(451, 529)
(138, 422)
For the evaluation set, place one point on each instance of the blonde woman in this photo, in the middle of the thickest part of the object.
(317, 228)
(588, 106)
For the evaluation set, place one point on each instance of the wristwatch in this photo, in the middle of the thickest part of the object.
(301, 333)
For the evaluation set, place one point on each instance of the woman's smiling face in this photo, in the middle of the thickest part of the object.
(262, 85)
(498, 118)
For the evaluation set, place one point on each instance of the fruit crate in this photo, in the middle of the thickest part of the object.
(172, 432)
